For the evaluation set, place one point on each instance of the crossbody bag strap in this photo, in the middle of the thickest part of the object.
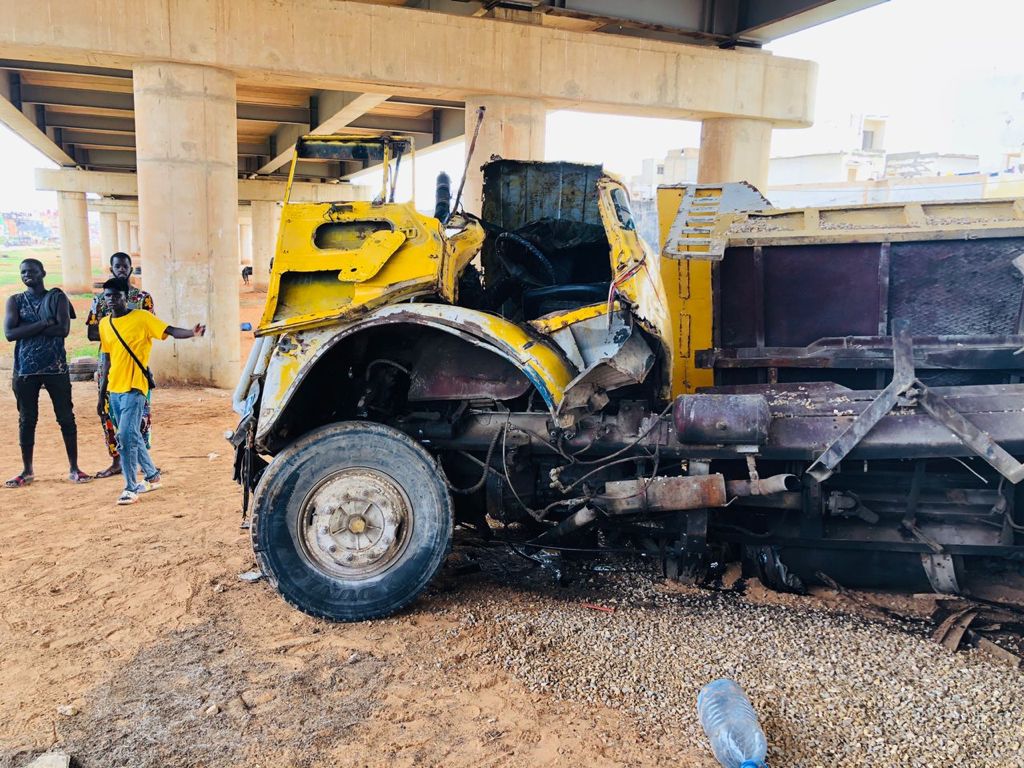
(144, 369)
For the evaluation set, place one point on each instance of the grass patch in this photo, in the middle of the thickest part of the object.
(87, 350)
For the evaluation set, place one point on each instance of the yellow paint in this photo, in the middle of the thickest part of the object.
(636, 274)
(557, 321)
(689, 300)
(393, 253)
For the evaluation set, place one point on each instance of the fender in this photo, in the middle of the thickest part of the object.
(298, 352)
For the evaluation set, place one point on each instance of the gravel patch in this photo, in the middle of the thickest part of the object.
(830, 689)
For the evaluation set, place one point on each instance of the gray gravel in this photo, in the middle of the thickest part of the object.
(830, 689)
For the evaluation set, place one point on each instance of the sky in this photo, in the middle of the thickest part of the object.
(948, 76)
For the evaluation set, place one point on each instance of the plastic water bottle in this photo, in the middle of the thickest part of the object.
(729, 720)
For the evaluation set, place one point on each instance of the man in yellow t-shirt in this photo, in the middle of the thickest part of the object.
(126, 339)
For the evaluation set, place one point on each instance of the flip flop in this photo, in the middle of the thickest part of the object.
(19, 481)
(79, 477)
(108, 472)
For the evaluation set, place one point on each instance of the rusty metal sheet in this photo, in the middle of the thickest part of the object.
(957, 287)
(451, 369)
(663, 494)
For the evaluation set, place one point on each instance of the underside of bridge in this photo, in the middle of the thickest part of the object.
(176, 113)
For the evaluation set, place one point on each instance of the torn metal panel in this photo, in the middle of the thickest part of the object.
(609, 353)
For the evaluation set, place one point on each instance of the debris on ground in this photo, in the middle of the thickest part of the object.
(51, 760)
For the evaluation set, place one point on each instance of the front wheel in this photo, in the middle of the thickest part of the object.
(352, 521)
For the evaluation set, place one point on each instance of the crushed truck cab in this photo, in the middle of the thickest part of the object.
(540, 374)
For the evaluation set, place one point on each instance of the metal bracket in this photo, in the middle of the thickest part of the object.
(906, 390)
(903, 378)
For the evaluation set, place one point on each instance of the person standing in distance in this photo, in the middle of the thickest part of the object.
(38, 321)
(120, 266)
(126, 339)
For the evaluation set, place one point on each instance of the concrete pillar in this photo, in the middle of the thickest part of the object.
(124, 235)
(133, 238)
(266, 217)
(245, 242)
(186, 143)
(513, 128)
(108, 236)
(75, 260)
(734, 149)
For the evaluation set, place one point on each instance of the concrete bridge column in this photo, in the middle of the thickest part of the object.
(186, 137)
(75, 260)
(245, 244)
(265, 221)
(108, 236)
(513, 128)
(734, 149)
(133, 239)
(124, 235)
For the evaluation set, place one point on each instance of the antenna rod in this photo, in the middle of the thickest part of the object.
(469, 155)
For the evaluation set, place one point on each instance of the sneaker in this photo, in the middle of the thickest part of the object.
(127, 497)
(148, 485)
(153, 482)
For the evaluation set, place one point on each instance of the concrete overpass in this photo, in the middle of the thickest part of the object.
(184, 98)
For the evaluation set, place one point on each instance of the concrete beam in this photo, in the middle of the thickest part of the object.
(53, 96)
(339, 108)
(105, 123)
(113, 184)
(17, 121)
(356, 47)
(126, 141)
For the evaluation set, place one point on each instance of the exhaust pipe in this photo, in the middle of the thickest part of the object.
(764, 486)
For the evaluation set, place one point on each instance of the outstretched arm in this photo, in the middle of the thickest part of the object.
(186, 333)
(14, 330)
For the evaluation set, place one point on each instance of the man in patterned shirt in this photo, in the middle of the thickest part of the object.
(121, 267)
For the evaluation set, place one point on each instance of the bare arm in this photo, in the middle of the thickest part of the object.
(104, 371)
(14, 330)
(63, 325)
(186, 333)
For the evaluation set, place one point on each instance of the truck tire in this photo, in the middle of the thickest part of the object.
(352, 521)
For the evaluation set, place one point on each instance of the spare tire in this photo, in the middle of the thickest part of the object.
(352, 521)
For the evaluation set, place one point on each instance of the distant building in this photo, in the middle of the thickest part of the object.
(22, 228)
(861, 172)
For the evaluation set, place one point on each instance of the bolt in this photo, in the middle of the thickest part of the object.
(332, 548)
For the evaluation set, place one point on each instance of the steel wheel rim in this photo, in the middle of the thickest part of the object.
(355, 524)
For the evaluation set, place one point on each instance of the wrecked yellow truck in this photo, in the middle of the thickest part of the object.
(541, 375)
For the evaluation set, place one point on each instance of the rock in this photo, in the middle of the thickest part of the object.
(354, 658)
(218, 588)
(255, 697)
(211, 710)
(51, 760)
(67, 710)
(236, 708)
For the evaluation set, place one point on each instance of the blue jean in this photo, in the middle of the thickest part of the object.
(126, 408)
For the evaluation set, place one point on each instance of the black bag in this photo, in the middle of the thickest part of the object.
(148, 373)
(50, 302)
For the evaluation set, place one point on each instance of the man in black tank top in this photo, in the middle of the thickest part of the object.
(38, 325)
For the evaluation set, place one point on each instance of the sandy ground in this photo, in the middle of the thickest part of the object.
(136, 618)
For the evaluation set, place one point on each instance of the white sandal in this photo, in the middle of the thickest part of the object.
(127, 497)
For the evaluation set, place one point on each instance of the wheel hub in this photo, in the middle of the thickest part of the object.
(355, 523)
